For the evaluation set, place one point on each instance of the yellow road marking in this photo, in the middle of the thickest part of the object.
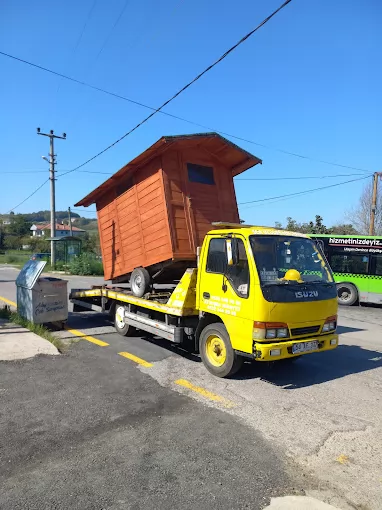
(91, 339)
(343, 459)
(8, 301)
(73, 331)
(205, 393)
(132, 357)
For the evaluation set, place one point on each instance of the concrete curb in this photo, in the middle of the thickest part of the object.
(20, 343)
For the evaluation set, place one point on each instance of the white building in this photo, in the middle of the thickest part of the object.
(61, 230)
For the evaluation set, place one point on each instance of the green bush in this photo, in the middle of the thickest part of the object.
(11, 259)
(86, 265)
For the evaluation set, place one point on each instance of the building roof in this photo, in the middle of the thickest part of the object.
(219, 147)
(59, 226)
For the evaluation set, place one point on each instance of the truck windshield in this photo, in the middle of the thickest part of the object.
(275, 255)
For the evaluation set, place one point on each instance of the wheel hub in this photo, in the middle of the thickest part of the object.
(216, 351)
(119, 314)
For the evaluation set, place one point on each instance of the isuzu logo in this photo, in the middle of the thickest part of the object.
(306, 294)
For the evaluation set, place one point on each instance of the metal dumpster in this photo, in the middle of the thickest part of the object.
(41, 300)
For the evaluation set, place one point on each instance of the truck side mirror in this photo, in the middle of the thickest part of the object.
(232, 249)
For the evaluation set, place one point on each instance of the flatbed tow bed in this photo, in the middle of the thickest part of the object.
(166, 314)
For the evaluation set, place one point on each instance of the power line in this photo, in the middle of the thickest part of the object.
(79, 39)
(88, 172)
(29, 196)
(295, 178)
(177, 117)
(112, 30)
(31, 172)
(302, 192)
(80, 209)
(211, 66)
(106, 40)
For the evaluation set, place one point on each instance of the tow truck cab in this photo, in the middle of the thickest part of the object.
(271, 289)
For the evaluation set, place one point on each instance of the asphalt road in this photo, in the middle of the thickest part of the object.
(92, 429)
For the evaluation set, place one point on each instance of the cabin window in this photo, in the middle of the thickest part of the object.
(200, 174)
(238, 275)
(124, 185)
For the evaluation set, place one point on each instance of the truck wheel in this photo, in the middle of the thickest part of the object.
(140, 281)
(216, 351)
(122, 328)
(347, 294)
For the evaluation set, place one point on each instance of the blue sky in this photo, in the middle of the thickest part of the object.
(308, 82)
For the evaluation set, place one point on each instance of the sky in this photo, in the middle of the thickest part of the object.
(308, 82)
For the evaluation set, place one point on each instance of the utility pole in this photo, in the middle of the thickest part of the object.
(70, 222)
(374, 202)
(52, 162)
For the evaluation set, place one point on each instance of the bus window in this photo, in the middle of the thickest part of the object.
(352, 263)
(376, 265)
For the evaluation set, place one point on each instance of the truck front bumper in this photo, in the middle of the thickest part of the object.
(281, 350)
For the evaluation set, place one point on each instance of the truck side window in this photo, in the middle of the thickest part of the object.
(217, 258)
(238, 275)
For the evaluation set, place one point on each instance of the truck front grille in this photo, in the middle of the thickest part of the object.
(307, 330)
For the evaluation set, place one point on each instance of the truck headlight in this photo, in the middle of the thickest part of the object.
(330, 324)
(269, 330)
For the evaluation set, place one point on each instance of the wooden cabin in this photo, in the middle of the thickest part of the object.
(155, 211)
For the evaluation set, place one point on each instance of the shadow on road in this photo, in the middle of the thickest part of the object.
(347, 329)
(309, 370)
(314, 368)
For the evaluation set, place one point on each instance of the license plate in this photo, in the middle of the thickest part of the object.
(305, 347)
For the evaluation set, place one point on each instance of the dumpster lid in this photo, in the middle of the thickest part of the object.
(30, 273)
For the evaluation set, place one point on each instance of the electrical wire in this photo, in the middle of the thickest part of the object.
(211, 66)
(298, 193)
(79, 39)
(31, 172)
(295, 178)
(106, 40)
(188, 121)
(29, 196)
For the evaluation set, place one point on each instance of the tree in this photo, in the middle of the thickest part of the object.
(359, 215)
(91, 243)
(345, 229)
(39, 245)
(12, 242)
(19, 226)
(317, 227)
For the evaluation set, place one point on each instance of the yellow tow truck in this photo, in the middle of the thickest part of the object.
(257, 292)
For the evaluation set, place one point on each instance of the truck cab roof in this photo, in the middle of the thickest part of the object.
(247, 230)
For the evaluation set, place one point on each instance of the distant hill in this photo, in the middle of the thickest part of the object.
(90, 224)
(40, 216)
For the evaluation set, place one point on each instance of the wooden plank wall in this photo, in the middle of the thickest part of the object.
(209, 203)
(177, 206)
(133, 227)
(109, 236)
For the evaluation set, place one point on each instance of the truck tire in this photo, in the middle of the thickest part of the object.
(347, 294)
(216, 351)
(121, 327)
(140, 281)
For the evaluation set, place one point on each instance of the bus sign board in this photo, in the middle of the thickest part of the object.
(354, 244)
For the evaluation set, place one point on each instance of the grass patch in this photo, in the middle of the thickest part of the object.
(38, 329)
(16, 258)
